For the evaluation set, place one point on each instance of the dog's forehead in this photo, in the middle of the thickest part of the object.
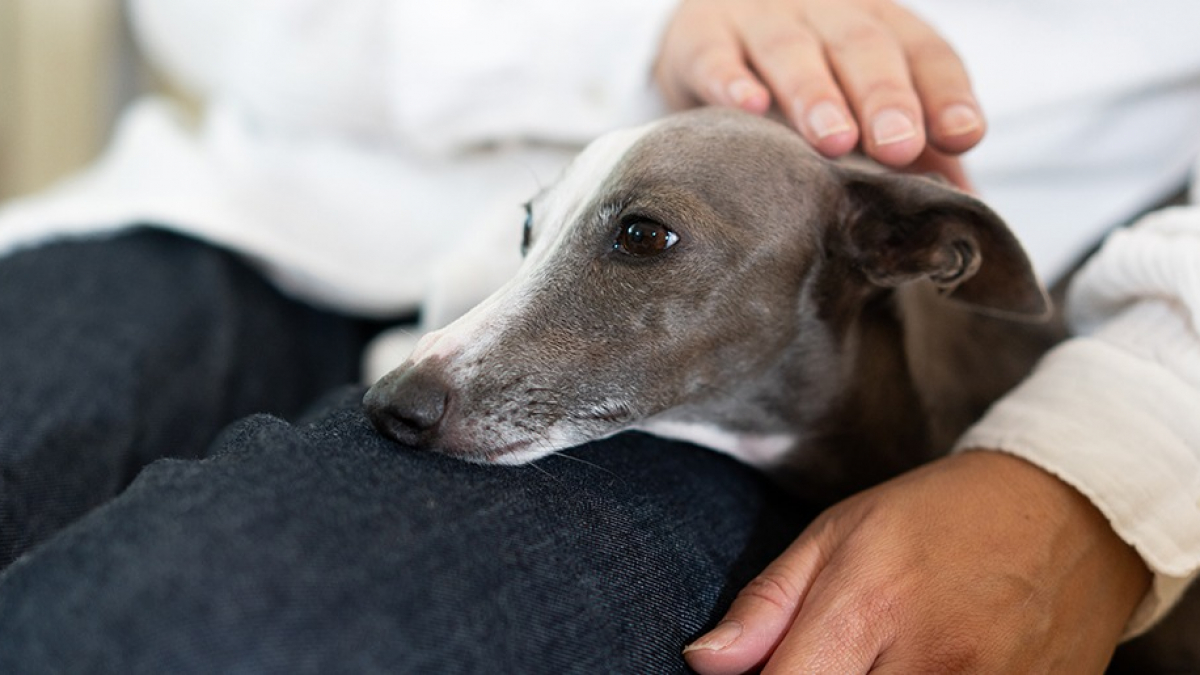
(726, 171)
(704, 152)
(586, 176)
(719, 143)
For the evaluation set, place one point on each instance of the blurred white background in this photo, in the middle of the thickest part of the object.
(66, 69)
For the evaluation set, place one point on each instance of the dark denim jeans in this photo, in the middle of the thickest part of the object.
(154, 532)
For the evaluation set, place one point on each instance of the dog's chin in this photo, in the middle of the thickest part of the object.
(515, 452)
(512, 454)
(512, 445)
(520, 455)
(507, 453)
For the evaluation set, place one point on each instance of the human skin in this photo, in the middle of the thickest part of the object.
(845, 73)
(980, 562)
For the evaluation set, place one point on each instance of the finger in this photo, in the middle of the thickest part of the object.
(791, 60)
(760, 615)
(872, 68)
(835, 633)
(948, 167)
(720, 77)
(953, 119)
(703, 62)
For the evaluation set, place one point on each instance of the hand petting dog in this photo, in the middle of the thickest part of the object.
(845, 73)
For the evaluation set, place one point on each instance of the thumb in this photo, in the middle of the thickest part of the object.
(762, 613)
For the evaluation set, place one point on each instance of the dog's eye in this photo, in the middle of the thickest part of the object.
(527, 234)
(644, 238)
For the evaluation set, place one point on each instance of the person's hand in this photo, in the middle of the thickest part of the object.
(841, 71)
(978, 562)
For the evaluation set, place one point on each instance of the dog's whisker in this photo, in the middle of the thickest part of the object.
(542, 470)
(533, 174)
(566, 455)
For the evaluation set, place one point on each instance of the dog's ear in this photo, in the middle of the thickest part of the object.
(899, 228)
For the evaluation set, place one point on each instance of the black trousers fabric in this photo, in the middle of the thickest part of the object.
(116, 352)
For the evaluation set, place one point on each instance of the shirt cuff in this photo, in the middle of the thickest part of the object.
(1114, 415)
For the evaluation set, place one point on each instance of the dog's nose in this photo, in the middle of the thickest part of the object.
(408, 407)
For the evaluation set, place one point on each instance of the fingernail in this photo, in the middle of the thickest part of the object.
(959, 119)
(892, 126)
(718, 638)
(826, 119)
(741, 91)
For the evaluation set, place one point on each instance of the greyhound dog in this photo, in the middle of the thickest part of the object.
(709, 277)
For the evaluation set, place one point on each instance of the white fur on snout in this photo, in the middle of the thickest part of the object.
(473, 334)
(438, 344)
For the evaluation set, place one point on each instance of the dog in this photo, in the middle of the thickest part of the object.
(709, 277)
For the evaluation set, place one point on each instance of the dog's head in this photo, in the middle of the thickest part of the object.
(674, 261)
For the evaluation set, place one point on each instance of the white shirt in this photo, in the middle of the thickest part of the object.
(353, 147)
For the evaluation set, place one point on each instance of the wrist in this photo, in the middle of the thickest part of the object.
(1078, 537)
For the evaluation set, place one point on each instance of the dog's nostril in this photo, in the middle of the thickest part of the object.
(424, 409)
(407, 408)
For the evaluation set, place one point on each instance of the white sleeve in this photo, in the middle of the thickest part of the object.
(1115, 412)
(439, 76)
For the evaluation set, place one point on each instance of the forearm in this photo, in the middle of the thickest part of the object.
(1113, 413)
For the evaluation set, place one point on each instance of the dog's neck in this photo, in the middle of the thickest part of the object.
(837, 410)
(875, 423)
(917, 370)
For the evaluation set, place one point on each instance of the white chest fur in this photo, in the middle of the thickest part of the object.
(758, 450)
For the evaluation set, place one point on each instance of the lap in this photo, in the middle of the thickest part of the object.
(118, 351)
(325, 548)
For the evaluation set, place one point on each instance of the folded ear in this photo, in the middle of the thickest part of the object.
(899, 228)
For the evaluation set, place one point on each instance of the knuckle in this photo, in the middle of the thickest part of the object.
(783, 42)
(883, 610)
(877, 94)
(860, 36)
(773, 589)
(869, 612)
(955, 653)
(792, 62)
(933, 51)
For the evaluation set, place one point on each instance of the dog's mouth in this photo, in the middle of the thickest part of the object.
(511, 453)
